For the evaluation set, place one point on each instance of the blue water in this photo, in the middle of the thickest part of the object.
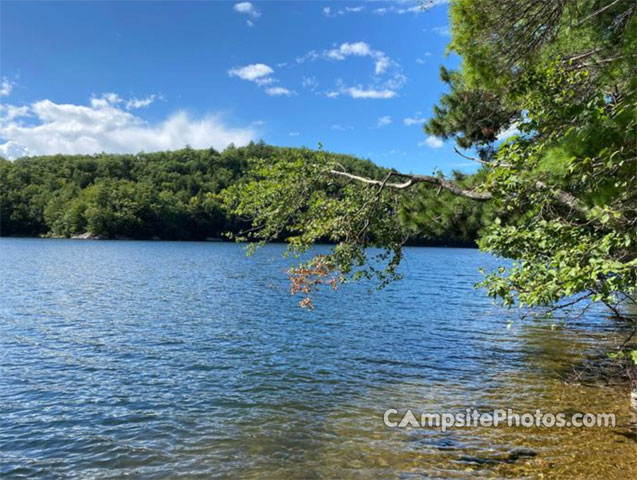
(166, 360)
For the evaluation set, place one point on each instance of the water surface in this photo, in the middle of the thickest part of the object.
(188, 360)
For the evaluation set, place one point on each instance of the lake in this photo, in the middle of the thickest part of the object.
(189, 360)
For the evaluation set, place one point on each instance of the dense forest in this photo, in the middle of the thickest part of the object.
(176, 195)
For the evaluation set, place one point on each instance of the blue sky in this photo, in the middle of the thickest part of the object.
(360, 77)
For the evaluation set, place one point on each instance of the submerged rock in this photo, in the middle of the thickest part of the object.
(518, 453)
(478, 460)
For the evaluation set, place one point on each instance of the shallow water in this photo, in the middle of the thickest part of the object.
(166, 360)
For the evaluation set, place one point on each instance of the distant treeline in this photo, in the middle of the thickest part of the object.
(165, 195)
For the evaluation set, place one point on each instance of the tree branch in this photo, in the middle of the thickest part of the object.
(597, 12)
(479, 160)
(563, 197)
(416, 179)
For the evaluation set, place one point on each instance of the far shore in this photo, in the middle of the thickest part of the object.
(123, 238)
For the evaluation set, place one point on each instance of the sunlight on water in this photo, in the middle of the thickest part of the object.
(163, 359)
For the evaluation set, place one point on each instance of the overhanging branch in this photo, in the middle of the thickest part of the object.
(416, 179)
(562, 196)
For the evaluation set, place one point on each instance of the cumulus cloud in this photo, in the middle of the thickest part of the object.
(9, 112)
(106, 99)
(261, 74)
(247, 8)
(104, 125)
(12, 150)
(385, 81)
(6, 87)
(355, 49)
(258, 73)
(432, 142)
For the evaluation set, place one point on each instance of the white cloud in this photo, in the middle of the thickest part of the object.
(278, 91)
(261, 74)
(358, 92)
(362, 92)
(10, 112)
(409, 121)
(409, 6)
(257, 72)
(247, 8)
(110, 98)
(355, 49)
(328, 12)
(359, 49)
(12, 150)
(402, 7)
(385, 82)
(384, 120)
(293, 134)
(104, 126)
(432, 142)
(6, 87)
(342, 128)
(135, 103)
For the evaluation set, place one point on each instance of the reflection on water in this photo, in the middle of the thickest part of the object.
(163, 359)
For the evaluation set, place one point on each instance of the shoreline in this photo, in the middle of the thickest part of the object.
(123, 238)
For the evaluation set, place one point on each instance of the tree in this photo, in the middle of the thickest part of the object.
(169, 195)
(563, 188)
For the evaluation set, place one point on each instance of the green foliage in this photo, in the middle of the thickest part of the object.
(563, 203)
(473, 116)
(441, 215)
(304, 202)
(170, 195)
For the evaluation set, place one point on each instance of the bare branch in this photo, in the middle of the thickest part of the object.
(479, 160)
(416, 179)
(597, 12)
(563, 197)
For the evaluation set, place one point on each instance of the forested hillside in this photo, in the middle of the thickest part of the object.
(171, 195)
